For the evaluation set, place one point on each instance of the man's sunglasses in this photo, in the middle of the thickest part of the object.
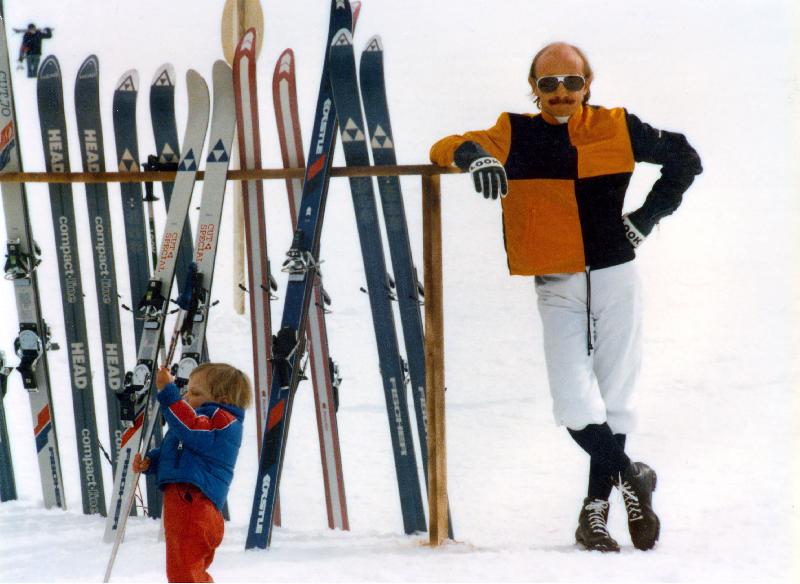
(549, 83)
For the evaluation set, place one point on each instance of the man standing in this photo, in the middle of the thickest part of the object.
(31, 49)
(562, 177)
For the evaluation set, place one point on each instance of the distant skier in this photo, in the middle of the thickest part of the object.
(562, 176)
(194, 465)
(31, 49)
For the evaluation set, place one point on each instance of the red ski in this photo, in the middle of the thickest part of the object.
(244, 85)
(324, 372)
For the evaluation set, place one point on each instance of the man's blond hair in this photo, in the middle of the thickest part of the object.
(226, 383)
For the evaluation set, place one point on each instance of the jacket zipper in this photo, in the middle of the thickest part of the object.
(180, 453)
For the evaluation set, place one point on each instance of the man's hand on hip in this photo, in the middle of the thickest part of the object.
(632, 232)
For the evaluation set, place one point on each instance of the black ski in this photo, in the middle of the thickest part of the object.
(125, 138)
(54, 140)
(90, 134)
(351, 118)
(127, 142)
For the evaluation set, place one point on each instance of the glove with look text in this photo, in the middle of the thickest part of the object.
(633, 233)
(487, 172)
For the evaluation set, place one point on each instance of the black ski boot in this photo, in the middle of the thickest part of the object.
(637, 484)
(592, 532)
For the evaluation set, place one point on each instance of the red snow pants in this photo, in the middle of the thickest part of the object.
(193, 529)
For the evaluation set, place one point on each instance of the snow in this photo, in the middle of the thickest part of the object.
(718, 401)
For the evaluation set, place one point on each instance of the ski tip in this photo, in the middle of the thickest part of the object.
(285, 64)
(374, 44)
(164, 77)
(221, 68)
(342, 38)
(49, 68)
(248, 42)
(90, 68)
(129, 81)
(196, 85)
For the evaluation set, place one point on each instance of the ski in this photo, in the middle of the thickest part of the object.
(125, 138)
(90, 134)
(324, 371)
(135, 396)
(223, 124)
(165, 132)
(301, 265)
(351, 118)
(162, 111)
(136, 239)
(22, 258)
(184, 302)
(408, 286)
(8, 485)
(50, 98)
(258, 268)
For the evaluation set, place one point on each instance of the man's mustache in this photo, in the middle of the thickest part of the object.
(561, 100)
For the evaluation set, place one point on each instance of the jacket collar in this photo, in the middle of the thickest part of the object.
(231, 409)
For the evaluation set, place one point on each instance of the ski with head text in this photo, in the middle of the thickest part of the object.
(301, 265)
(135, 398)
(408, 288)
(354, 144)
(22, 259)
(50, 99)
(324, 371)
(90, 135)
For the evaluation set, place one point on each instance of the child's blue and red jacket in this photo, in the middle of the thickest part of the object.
(200, 446)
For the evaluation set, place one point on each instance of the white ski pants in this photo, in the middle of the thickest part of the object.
(597, 386)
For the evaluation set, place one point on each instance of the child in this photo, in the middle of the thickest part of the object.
(194, 464)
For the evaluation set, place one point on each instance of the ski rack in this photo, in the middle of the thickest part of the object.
(434, 297)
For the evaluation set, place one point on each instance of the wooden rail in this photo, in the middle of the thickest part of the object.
(258, 174)
(434, 297)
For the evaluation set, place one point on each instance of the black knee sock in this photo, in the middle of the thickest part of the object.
(608, 458)
(601, 482)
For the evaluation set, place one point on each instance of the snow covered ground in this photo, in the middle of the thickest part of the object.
(718, 392)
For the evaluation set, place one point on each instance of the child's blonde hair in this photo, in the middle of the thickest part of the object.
(226, 383)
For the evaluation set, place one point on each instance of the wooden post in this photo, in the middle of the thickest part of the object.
(237, 17)
(434, 357)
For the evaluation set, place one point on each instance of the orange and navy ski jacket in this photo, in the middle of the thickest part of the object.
(200, 447)
(567, 184)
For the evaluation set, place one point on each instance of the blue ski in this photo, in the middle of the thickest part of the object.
(301, 264)
(408, 286)
(348, 106)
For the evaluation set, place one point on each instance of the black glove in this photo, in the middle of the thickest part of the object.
(487, 172)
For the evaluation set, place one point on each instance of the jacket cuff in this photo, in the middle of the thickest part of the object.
(154, 455)
(641, 223)
(468, 153)
(169, 395)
